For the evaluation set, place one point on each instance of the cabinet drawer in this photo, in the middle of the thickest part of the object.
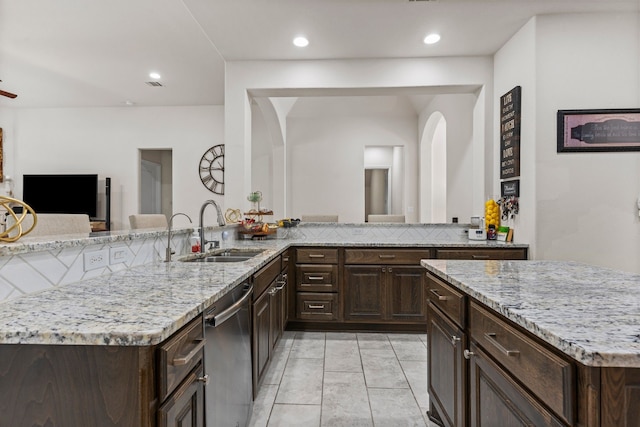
(317, 306)
(446, 298)
(546, 374)
(317, 256)
(263, 279)
(517, 253)
(178, 355)
(386, 256)
(317, 278)
(285, 260)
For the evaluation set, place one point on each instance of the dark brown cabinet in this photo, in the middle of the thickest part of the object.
(384, 293)
(484, 370)
(481, 253)
(494, 395)
(447, 370)
(385, 285)
(105, 386)
(268, 317)
(317, 284)
(186, 406)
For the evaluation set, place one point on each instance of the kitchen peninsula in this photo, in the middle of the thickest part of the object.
(545, 343)
(65, 350)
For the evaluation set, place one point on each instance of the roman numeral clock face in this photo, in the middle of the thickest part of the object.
(212, 169)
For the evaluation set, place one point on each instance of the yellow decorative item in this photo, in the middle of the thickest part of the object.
(233, 216)
(5, 202)
(491, 214)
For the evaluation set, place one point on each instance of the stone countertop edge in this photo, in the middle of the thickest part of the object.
(589, 313)
(144, 305)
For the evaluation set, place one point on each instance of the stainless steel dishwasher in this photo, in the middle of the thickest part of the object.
(227, 355)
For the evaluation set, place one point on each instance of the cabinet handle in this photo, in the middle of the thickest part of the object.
(491, 337)
(179, 361)
(454, 340)
(467, 354)
(281, 284)
(480, 256)
(384, 269)
(315, 277)
(440, 297)
(273, 291)
(321, 306)
(383, 256)
(316, 255)
(390, 269)
(204, 379)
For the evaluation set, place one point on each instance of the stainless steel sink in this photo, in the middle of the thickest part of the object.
(226, 255)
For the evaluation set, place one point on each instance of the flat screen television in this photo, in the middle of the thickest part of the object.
(73, 194)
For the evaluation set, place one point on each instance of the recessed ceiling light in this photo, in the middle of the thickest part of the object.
(300, 41)
(154, 75)
(432, 38)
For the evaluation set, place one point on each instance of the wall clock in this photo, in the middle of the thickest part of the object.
(212, 169)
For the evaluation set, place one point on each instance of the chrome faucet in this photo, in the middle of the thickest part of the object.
(169, 252)
(203, 242)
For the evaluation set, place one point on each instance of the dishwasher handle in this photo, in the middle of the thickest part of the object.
(216, 320)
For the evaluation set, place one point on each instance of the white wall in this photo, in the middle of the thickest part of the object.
(458, 111)
(326, 160)
(583, 204)
(345, 77)
(106, 141)
(515, 65)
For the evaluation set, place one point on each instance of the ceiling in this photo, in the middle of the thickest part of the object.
(97, 53)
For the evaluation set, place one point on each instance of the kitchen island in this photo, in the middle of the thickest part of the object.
(97, 352)
(533, 343)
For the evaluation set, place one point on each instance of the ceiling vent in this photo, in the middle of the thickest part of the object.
(154, 84)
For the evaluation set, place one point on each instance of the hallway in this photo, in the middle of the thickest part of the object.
(345, 379)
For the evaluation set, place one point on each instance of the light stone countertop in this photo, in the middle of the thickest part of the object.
(590, 313)
(145, 305)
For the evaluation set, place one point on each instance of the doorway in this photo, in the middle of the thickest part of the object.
(376, 192)
(156, 182)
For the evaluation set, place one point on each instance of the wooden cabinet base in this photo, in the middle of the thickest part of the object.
(77, 386)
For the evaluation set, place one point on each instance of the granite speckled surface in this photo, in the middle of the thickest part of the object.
(144, 305)
(590, 313)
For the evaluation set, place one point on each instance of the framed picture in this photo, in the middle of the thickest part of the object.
(598, 130)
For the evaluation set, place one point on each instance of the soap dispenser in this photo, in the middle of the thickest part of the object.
(194, 241)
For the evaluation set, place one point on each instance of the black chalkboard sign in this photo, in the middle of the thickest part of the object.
(510, 133)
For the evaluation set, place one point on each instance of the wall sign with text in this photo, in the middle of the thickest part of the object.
(510, 133)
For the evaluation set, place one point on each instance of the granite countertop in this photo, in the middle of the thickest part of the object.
(145, 305)
(590, 313)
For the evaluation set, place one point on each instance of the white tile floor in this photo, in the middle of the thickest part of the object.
(345, 379)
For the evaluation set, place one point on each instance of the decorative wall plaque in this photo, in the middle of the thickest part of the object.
(510, 133)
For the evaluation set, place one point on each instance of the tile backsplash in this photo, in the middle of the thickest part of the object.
(30, 272)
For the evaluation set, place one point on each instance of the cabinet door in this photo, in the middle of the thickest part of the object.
(186, 406)
(261, 339)
(276, 312)
(495, 399)
(447, 370)
(407, 300)
(365, 293)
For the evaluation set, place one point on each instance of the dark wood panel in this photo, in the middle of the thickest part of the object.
(76, 386)
(317, 277)
(261, 348)
(407, 297)
(481, 253)
(265, 277)
(620, 404)
(446, 298)
(588, 396)
(317, 255)
(317, 306)
(548, 376)
(390, 256)
(365, 297)
(185, 408)
(178, 355)
(496, 400)
(447, 369)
